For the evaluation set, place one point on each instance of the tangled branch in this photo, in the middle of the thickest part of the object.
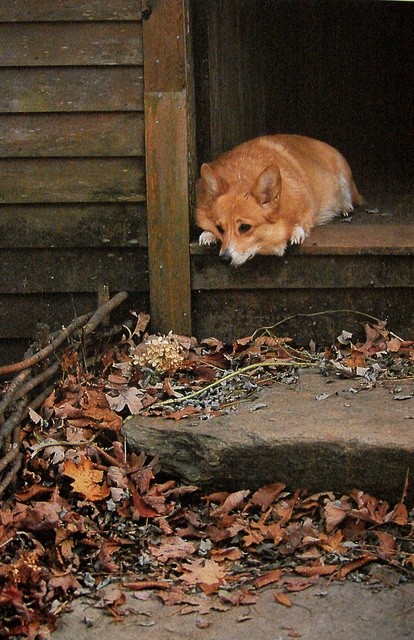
(18, 396)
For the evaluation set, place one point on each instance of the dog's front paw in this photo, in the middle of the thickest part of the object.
(298, 235)
(207, 238)
(347, 209)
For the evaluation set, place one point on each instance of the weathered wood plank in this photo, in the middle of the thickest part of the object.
(228, 315)
(72, 180)
(304, 272)
(168, 211)
(20, 313)
(57, 270)
(348, 239)
(78, 10)
(66, 44)
(37, 90)
(12, 350)
(72, 134)
(164, 44)
(170, 137)
(120, 224)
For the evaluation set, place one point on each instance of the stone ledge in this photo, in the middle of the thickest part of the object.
(348, 440)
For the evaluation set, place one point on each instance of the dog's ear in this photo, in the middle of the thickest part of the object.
(266, 189)
(212, 183)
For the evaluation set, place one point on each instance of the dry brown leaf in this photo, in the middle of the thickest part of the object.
(282, 598)
(266, 495)
(208, 574)
(141, 585)
(231, 553)
(399, 514)
(172, 547)
(232, 502)
(387, 544)
(335, 514)
(317, 570)
(355, 564)
(182, 413)
(298, 584)
(268, 578)
(87, 480)
(240, 597)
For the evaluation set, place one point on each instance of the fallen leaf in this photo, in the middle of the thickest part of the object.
(208, 574)
(232, 502)
(265, 496)
(172, 547)
(317, 570)
(140, 585)
(268, 578)
(283, 599)
(355, 564)
(87, 479)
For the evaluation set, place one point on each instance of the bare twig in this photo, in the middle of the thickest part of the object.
(103, 311)
(13, 421)
(34, 382)
(12, 392)
(11, 475)
(43, 353)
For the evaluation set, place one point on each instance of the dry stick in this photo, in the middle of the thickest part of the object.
(103, 311)
(10, 455)
(12, 392)
(12, 421)
(43, 353)
(34, 382)
(11, 475)
(39, 400)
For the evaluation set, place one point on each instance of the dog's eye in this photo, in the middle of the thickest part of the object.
(244, 228)
(219, 228)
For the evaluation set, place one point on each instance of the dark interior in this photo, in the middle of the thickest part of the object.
(337, 70)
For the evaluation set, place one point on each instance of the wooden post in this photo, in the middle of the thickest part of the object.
(169, 139)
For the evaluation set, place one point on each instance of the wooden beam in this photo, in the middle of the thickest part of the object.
(169, 137)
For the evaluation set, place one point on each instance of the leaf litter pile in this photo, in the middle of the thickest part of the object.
(86, 517)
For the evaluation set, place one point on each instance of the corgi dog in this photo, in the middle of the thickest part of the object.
(270, 191)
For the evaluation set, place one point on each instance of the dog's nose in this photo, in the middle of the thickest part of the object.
(225, 256)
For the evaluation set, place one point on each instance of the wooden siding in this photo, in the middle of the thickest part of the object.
(72, 175)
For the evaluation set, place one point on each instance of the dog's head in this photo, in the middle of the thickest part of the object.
(244, 219)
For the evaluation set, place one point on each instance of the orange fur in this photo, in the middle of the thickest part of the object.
(270, 191)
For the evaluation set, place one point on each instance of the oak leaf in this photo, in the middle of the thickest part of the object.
(87, 480)
(208, 574)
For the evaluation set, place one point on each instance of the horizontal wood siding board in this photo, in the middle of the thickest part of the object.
(61, 89)
(120, 224)
(20, 313)
(72, 134)
(77, 10)
(12, 350)
(304, 272)
(57, 270)
(72, 180)
(229, 315)
(69, 44)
